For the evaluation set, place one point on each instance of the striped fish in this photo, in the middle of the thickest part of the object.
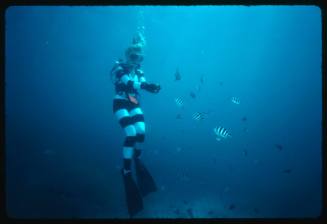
(221, 133)
(236, 100)
(179, 102)
(198, 116)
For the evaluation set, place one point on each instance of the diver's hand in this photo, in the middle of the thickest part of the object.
(152, 88)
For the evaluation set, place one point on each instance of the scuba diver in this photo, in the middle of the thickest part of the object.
(129, 79)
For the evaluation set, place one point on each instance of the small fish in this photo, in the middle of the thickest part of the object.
(49, 152)
(221, 83)
(178, 116)
(171, 206)
(177, 211)
(256, 162)
(287, 170)
(202, 79)
(210, 212)
(184, 177)
(226, 189)
(235, 100)
(245, 152)
(244, 118)
(179, 102)
(63, 194)
(221, 133)
(231, 207)
(198, 116)
(197, 88)
(178, 76)
(190, 212)
(118, 167)
(279, 147)
(192, 94)
(185, 202)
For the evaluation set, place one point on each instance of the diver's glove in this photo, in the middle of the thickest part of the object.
(153, 88)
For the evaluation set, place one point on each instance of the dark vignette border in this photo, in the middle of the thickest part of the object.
(8, 3)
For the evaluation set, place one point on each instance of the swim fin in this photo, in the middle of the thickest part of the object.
(144, 179)
(133, 197)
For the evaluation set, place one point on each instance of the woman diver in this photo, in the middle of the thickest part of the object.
(129, 78)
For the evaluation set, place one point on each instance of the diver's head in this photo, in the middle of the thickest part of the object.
(134, 54)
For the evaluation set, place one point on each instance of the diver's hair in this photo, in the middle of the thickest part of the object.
(134, 48)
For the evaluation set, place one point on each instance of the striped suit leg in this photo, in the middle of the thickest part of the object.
(139, 124)
(125, 120)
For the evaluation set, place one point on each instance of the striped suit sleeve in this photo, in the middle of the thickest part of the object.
(133, 84)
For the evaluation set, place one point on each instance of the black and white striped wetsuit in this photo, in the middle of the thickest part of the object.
(129, 114)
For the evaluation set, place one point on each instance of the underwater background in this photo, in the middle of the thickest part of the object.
(63, 144)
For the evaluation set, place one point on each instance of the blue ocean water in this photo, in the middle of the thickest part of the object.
(64, 144)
